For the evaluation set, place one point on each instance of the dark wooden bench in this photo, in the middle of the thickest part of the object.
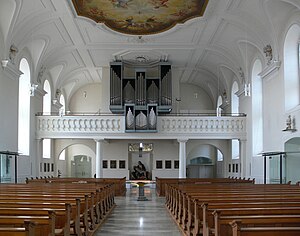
(254, 228)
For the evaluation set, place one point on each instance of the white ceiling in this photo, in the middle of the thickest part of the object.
(74, 50)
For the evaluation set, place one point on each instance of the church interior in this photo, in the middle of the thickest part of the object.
(138, 91)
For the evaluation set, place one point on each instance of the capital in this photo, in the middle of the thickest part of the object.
(182, 140)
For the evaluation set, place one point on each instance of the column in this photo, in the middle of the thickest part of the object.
(39, 156)
(182, 157)
(99, 170)
(244, 163)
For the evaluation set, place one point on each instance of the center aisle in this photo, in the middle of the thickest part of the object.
(132, 217)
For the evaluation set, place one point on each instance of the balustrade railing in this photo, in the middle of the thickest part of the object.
(51, 126)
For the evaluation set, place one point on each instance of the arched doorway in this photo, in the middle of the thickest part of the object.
(76, 161)
(292, 160)
(204, 161)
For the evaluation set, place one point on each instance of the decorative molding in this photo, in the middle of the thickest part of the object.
(10, 70)
(224, 105)
(136, 17)
(270, 70)
(240, 93)
(39, 92)
(56, 104)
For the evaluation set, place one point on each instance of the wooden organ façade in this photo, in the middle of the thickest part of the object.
(141, 93)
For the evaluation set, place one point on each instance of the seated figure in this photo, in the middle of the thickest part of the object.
(139, 171)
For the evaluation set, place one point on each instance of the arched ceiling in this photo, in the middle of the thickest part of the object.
(74, 50)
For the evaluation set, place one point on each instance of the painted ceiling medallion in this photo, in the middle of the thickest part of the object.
(140, 17)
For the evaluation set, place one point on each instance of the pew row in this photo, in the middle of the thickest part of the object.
(192, 206)
(88, 205)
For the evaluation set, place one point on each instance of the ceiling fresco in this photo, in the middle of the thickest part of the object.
(140, 17)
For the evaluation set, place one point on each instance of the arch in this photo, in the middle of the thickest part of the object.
(292, 160)
(77, 150)
(24, 108)
(257, 112)
(205, 161)
(291, 67)
(202, 154)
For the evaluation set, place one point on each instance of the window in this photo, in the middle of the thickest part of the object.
(291, 67)
(47, 111)
(62, 110)
(235, 150)
(236, 168)
(257, 117)
(62, 155)
(24, 108)
(219, 155)
(219, 103)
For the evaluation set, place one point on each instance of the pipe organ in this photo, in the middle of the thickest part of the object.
(140, 92)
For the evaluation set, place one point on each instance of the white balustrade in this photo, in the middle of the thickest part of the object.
(110, 126)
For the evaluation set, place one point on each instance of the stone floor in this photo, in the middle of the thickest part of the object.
(132, 217)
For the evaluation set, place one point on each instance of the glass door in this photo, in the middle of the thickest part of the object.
(5, 168)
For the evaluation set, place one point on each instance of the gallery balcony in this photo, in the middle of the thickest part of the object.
(169, 126)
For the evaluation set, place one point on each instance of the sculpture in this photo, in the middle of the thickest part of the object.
(289, 123)
(269, 53)
(139, 172)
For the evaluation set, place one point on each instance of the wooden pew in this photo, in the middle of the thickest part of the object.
(239, 228)
(262, 216)
(30, 229)
(162, 182)
(179, 199)
(95, 207)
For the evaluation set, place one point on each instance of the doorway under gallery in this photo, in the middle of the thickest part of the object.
(76, 160)
(140, 161)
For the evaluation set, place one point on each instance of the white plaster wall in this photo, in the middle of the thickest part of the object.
(9, 113)
(87, 99)
(273, 110)
(115, 150)
(105, 94)
(194, 98)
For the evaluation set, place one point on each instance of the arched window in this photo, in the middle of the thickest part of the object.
(257, 115)
(62, 110)
(234, 98)
(47, 111)
(220, 155)
(219, 103)
(291, 67)
(24, 108)
(235, 150)
(62, 155)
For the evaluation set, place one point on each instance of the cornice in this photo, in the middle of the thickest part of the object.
(270, 70)
(10, 70)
